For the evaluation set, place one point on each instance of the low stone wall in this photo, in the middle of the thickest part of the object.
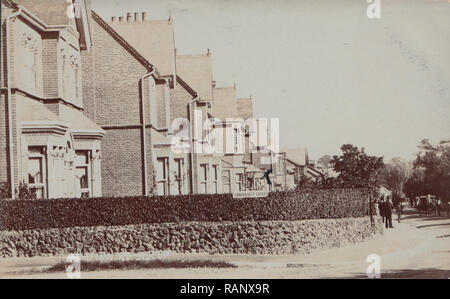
(249, 237)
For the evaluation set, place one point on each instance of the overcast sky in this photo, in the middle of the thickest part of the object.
(331, 74)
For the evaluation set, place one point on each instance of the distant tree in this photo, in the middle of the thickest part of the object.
(356, 168)
(415, 185)
(395, 174)
(325, 161)
(434, 162)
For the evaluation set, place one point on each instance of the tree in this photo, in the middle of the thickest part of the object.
(433, 165)
(357, 169)
(395, 174)
(415, 185)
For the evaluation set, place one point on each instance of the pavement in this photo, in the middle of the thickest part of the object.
(418, 247)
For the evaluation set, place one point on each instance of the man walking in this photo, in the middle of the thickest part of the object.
(399, 211)
(388, 212)
(381, 208)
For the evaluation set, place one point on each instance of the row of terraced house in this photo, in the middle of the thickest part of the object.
(94, 108)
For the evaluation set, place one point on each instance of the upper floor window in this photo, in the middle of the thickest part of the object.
(30, 62)
(70, 76)
(153, 101)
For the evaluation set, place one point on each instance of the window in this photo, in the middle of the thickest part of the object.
(236, 139)
(239, 182)
(162, 176)
(204, 178)
(279, 165)
(152, 98)
(37, 171)
(83, 172)
(226, 185)
(30, 61)
(179, 179)
(215, 178)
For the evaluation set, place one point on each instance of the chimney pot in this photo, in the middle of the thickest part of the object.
(128, 16)
(136, 17)
(113, 19)
(120, 19)
(144, 16)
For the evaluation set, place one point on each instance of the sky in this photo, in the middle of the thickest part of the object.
(328, 72)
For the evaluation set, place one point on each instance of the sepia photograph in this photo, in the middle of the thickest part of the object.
(225, 147)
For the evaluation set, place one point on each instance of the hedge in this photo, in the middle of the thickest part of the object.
(292, 205)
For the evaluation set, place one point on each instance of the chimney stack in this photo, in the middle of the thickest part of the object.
(136, 17)
(144, 16)
(113, 19)
(128, 17)
(120, 19)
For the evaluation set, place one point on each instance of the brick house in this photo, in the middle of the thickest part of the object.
(46, 138)
(135, 112)
(96, 107)
(159, 48)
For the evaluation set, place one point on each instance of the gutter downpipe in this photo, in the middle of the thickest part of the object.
(9, 103)
(192, 140)
(144, 144)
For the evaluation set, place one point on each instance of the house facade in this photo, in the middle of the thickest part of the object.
(94, 108)
(46, 139)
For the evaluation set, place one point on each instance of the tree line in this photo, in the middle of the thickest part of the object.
(428, 173)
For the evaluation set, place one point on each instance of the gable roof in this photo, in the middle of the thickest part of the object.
(245, 108)
(154, 39)
(52, 12)
(224, 103)
(196, 70)
(314, 172)
(186, 86)
(298, 156)
(123, 42)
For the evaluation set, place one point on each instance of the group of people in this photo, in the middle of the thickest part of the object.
(385, 206)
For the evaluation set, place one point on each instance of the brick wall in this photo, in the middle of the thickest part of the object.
(50, 65)
(122, 162)
(111, 97)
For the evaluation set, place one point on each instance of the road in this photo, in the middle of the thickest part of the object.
(418, 247)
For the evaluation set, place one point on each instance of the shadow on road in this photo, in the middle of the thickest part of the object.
(428, 273)
(430, 225)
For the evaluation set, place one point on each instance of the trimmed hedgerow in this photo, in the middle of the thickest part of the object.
(292, 205)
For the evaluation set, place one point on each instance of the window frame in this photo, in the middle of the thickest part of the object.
(38, 153)
(88, 166)
(204, 178)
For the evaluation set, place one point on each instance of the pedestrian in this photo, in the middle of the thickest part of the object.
(438, 206)
(399, 211)
(388, 212)
(446, 207)
(381, 207)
